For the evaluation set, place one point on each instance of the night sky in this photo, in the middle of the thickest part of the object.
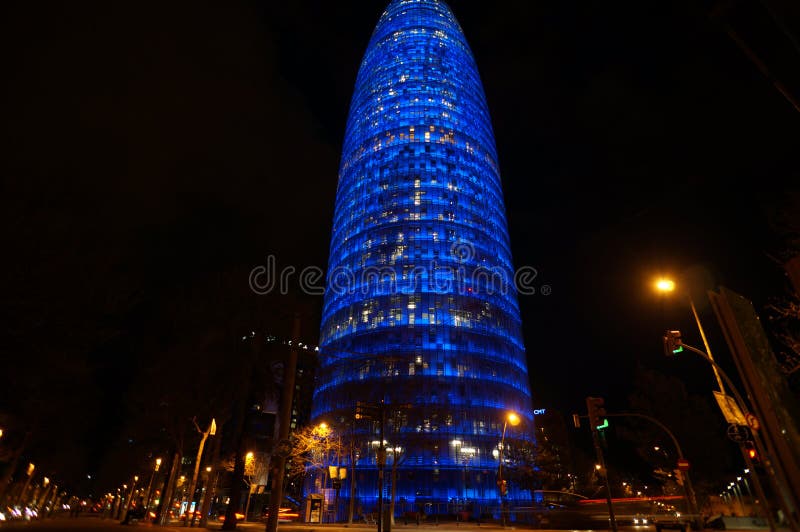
(156, 152)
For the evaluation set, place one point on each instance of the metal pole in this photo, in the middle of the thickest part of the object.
(738, 498)
(353, 460)
(748, 462)
(687, 481)
(747, 485)
(602, 462)
(500, 473)
(381, 463)
(705, 343)
(128, 504)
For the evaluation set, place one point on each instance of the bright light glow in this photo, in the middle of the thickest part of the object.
(249, 455)
(598, 467)
(513, 419)
(746, 471)
(665, 285)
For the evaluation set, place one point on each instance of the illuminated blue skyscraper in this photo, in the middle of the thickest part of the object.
(421, 310)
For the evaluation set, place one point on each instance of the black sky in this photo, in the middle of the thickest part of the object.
(153, 148)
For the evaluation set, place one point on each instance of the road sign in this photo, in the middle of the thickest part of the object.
(683, 464)
(752, 421)
(738, 433)
(731, 411)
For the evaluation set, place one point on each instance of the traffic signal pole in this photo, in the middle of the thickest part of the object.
(604, 471)
(759, 445)
(595, 410)
(688, 488)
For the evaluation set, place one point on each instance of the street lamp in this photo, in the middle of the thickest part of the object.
(337, 474)
(29, 473)
(150, 484)
(128, 504)
(502, 485)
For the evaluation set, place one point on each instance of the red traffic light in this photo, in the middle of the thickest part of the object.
(503, 485)
(750, 449)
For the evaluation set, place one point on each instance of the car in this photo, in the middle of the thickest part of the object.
(285, 515)
(641, 520)
(671, 521)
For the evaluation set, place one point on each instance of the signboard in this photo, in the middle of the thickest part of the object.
(683, 464)
(738, 433)
(730, 409)
(752, 421)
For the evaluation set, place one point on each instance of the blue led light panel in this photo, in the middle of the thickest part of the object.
(420, 307)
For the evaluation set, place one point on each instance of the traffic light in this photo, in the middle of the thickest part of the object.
(672, 343)
(597, 414)
(503, 485)
(752, 453)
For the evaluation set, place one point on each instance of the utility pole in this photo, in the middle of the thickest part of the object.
(283, 447)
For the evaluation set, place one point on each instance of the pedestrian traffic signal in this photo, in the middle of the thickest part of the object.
(672, 343)
(752, 453)
(597, 414)
(503, 485)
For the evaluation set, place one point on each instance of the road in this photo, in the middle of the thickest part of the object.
(95, 524)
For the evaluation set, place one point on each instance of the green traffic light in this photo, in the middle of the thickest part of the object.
(603, 426)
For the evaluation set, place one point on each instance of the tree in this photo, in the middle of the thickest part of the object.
(535, 465)
(313, 449)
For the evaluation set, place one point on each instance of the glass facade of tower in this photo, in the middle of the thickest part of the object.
(420, 309)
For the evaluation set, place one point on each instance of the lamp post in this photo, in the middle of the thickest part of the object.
(29, 473)
(337, 474)
(746, 485)
(150, 484)
(514, 419)
(130, 497)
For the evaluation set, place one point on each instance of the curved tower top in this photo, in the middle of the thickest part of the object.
(421, 308)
